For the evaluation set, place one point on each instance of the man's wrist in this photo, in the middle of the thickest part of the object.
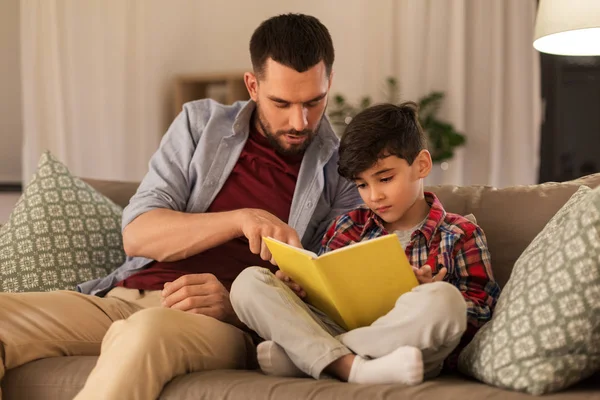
(237, 218)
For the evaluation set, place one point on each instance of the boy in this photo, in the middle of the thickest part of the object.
(383, 151)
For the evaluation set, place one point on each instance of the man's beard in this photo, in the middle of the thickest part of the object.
(273, 138)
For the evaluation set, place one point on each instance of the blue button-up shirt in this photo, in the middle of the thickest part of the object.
(194, 160)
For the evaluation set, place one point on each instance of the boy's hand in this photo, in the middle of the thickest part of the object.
(291, 284)
(425, 275)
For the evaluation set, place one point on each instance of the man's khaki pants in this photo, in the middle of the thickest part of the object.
(432, 318)
(141, 345)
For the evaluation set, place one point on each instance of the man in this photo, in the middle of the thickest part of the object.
(223, 177)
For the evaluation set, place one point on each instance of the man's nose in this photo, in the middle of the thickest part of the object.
(299, 118)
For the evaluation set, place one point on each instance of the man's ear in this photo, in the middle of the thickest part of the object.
(424, 163)
(251, 82)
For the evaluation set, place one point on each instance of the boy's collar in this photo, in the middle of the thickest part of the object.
(434, 219)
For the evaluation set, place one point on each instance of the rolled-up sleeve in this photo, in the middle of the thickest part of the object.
(167, 184)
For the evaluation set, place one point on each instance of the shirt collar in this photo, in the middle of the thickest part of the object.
(432, 222)
(374, 222)
(436, 216)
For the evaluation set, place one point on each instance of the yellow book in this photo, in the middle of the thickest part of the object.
(354, 285)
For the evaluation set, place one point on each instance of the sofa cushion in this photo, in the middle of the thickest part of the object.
(545, 332)
(61, 378)
(60, 233)
(510, 217)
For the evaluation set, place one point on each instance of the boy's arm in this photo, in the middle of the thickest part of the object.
(474, 278)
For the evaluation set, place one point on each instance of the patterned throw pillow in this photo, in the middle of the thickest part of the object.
(545, 332)
(60, 233)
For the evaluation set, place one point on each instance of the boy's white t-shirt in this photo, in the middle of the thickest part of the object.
(404, 235)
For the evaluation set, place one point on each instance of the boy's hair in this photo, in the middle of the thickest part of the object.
(297, 41)
(377, 132)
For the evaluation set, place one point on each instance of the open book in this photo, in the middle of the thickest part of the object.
(353, 285)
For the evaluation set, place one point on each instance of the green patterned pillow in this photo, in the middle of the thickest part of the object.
(61, 232)
(545, 332)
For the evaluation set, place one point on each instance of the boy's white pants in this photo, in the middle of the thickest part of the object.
(432, 317)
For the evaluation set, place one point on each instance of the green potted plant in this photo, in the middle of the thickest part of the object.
(442, 137)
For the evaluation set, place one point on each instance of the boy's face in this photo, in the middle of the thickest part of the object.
(391, 188)
(290, 104)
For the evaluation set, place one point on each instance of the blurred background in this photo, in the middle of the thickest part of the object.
(97, 82)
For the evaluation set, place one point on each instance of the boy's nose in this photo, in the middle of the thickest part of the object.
(376, 195)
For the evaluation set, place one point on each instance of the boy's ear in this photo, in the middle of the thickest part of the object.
(424, 163)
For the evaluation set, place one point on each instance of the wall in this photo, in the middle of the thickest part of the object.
(10, 94)
(98, 74)
(99, 92)
(198, 36)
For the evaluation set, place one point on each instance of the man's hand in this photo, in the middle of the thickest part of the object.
(291, 284)
(200, 294)
(256, 224)
(425, 275)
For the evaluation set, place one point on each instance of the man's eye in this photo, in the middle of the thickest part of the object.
(282, 105)
(313, 104)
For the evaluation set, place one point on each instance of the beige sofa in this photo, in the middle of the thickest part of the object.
(511, 217)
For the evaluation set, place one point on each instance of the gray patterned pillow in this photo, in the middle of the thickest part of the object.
(61, 232)
(545, 332)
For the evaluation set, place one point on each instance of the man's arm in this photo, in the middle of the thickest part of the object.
(167, 235)
(155, 224)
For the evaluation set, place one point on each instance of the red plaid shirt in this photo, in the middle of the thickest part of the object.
(445, 240)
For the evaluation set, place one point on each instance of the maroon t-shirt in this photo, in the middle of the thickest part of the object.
(263, 179)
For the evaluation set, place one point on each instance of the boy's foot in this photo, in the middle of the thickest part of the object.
(273, 360)
(403, 365)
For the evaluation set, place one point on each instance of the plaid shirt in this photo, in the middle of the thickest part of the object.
(445, 240)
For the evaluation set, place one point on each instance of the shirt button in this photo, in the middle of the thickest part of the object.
(309, 204)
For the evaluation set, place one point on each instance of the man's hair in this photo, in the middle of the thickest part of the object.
(377, 132)
(297, 41)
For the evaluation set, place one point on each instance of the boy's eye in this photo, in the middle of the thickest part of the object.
(361, 185)
(387, 179)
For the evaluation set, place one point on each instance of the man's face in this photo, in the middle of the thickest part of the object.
(290, 104)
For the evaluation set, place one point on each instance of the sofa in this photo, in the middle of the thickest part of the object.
(511, 217)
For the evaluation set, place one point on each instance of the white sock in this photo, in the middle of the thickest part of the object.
(273, 360)
(403, 365)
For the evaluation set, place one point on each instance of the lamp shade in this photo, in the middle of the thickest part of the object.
(568, 27)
